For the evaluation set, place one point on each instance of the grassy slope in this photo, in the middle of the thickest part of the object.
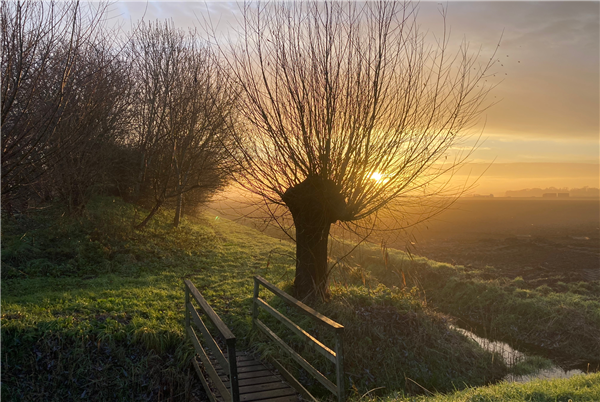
(563, 325)
(92, 310)
(93, 307)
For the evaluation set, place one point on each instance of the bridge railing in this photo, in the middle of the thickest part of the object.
(336, 356)
(228, 364)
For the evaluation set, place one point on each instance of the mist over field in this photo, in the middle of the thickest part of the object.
(500, 178)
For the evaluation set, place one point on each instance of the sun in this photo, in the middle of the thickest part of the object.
(378, 177)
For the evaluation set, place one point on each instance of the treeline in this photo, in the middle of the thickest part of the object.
(87, 109)
(584, 192)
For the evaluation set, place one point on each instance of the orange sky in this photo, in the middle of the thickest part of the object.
(497, 178)
(547, 97)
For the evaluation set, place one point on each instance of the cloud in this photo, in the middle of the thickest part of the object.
(547, 73)
(547, 64)
(469, 148)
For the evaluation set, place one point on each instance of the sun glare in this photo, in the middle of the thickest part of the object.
(378, 177)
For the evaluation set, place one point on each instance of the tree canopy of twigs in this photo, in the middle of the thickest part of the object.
(346, 109)
(42, 42)
(182, 116)
(89, 109)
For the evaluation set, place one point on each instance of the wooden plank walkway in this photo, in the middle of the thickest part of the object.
(257, 382)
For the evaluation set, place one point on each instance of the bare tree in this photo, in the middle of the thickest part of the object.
(182, 116)
(93, 128)
(346, 110)
(40, 44)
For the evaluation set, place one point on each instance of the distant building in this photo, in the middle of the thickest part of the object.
(563, 195)
(585, 192)
(549, 195)
(536, 192)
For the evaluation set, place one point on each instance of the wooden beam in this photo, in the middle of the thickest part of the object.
(262, 387)
(258, 380)
(299, 359)
(318, 317)
(267, 395)
(217, 353)
(233, 378)
(212, 373)
(293, 381)
(254, 374)
(225, 332)
(210, 394)
(314, 342)
(339, 366)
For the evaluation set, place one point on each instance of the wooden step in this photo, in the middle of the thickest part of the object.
(257, 382)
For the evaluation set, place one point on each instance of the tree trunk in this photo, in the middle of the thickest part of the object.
(178, 210)
(315, 204)
(311, 281)
(150, 215)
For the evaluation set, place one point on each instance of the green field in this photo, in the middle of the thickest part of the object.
(93, 310)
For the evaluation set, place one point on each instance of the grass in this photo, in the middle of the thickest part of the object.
(396, 342)
(100, 319)
(93, 310)
(530, 364)
(582, 388)
(83, 326)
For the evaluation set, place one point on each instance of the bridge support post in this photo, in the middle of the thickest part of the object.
(235, 390)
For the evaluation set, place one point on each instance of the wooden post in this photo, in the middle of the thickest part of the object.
(339, 356)
(254, 303)
(233, 374)
(187, 300)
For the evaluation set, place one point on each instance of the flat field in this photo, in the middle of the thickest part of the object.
(544, 241)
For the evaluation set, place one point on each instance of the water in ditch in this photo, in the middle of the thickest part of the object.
(512, 356)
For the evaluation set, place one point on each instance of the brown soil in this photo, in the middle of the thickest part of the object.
(543, 241)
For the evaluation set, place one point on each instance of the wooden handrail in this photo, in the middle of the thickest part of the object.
(303, 308)
(299, 359)
(210, 342)
(335, 357)
(212, 372)
(229, 365)
(219, 324)
(324, 350)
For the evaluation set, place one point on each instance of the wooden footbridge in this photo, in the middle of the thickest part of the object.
(245, 378)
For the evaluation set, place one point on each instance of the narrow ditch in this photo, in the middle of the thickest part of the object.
(512, 357)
